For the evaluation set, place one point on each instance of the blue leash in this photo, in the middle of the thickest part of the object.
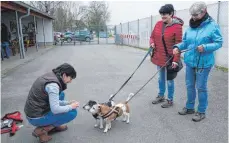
(149, 51)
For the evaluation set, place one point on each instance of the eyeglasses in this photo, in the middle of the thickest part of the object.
(196, 14)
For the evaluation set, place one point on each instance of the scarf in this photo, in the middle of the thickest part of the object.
(195, 24)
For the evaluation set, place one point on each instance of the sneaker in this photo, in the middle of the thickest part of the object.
(168, 104)
(158, 99)
(198, 117)
(186, 111)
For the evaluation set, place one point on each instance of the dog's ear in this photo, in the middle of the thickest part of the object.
(91, 103)
(94, 102)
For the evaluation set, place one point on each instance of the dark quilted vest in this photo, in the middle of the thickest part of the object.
(37, 103)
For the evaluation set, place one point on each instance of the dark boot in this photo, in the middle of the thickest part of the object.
(59, 129)
(44, 138)
(168, 104)
(158, 99)
(186, 111)
(38, 132)
(42, 133)
(198, 117)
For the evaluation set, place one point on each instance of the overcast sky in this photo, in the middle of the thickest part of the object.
(124, 11)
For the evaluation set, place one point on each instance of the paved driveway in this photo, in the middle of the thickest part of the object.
(101, 69)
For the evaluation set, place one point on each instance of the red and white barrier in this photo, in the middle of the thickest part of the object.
(129, 39)
(128, 36)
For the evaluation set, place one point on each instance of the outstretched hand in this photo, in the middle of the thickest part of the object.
(74, 104)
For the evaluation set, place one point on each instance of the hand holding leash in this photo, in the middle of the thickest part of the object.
(200, 48)
(152, 45)
(176, 51)
(174, 65)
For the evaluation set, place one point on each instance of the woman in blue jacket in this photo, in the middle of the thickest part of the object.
(203, 37)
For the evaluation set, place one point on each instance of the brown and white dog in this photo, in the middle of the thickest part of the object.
(111, 113)
(97, 117)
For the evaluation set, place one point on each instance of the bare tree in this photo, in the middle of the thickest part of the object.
(77, 10)
(46, 6)
(68, 16)
(73, 15)
(97, 14)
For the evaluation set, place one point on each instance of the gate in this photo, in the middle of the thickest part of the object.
(91, 35)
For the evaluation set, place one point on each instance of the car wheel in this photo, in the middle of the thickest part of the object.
(69, 40)
(87, 39)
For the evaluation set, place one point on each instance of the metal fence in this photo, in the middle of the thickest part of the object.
(137, 33)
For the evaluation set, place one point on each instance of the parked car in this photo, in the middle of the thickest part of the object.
(68, 36)
(83, 35)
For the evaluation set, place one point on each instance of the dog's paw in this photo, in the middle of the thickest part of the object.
(124, 120)
(101, 127)
(105, 131)
(96, 125)
(127, 122)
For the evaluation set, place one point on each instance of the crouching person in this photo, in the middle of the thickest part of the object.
(45, 106)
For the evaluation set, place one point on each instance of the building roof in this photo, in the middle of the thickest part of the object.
(22, 7)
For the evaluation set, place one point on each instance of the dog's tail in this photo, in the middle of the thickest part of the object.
(129, 97)
(111, 97)
(112, 101)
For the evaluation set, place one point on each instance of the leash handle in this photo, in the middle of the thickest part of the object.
(149, 51)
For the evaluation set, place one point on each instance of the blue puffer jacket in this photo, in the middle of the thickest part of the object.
(207, 34)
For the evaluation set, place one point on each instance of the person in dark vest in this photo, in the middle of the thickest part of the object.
(45, 106)
(169, 29)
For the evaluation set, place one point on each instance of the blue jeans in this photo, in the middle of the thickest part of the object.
(197, 81)
(54, 119)
(5, 50)
(162, 87)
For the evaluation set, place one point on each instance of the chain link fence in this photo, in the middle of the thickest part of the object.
(137, 33)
